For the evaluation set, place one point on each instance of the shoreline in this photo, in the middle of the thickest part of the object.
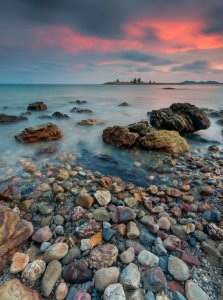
(157, 209)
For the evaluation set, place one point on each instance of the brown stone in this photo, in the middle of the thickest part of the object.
(103, 256)
(42, 133)
(14, 290)
(84, 200)
(19, 262)
(190, 259)
(13, 231)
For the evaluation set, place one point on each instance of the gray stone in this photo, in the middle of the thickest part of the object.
(130, 277)
(50, 277)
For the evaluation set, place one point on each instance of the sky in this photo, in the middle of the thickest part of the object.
(94, 41)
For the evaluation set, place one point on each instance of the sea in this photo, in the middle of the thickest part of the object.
(86, 141)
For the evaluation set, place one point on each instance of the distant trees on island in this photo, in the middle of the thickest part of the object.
(133, 81)
(138, 81)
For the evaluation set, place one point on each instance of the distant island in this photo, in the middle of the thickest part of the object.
(138, 81)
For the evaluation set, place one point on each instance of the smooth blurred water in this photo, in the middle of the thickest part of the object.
(103, 100)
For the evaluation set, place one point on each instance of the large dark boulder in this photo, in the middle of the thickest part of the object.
(11, 119)
(38, 106)
(42, 133)
(182, 117)
(119, 136)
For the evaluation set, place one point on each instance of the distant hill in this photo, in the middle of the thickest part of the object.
(200, 82)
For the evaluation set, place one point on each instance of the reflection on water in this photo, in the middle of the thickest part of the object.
(103, 100)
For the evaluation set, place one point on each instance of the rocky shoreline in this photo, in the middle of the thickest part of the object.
(70, 233)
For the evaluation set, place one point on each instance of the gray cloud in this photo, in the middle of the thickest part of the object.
(144, 57)
(214, 19)
(196, 66)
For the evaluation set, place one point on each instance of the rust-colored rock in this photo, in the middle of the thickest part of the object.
(13, 231)
(14, 290)
(41, 133)
(119, 136)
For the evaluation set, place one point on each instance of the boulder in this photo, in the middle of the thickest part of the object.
(11, 119)
(182, 117)
(59, 115)
(119, 136)
(38, 106)
(81, 110)
(164, 140)
(14, 290)
(90, 122)
(41, 133)
(13, 230)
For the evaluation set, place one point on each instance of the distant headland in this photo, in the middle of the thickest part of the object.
(138, 81)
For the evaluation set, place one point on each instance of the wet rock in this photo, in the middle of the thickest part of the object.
(56, 251)
(164, 140)
(81, 110)
(43, 234)
(123, 104)
(37, 106)
(11, 119)
(103, 256)
(172, 192)
(132, 230)
(82, 296)
(78, 213)
(108, 234)
(103, 197)
(182, 117)
(136, 295)
(14, 290)
(90, 122)
(88, 228)
(215, 231)
(178, 296)
(59, 115)
(128, 255)
(206, 191)
(106, 276)
(114, 292)
(50, 277)
(212, 215)
(178, 268)
(119, 136)
(130, 277)
(77, 272)
(19, 262)
(42, 133)
(84, 200)
(13, 231)
(172, 243)
(141, 128)
(154, 280)
(164, 223)
(123, 214)
(101, 214)
(34, 270)
(146, 238)
(193, 291)
(149, 296)
(72, 254)
(137, 246)
(61, 291)
(190, 259)
(148, 259)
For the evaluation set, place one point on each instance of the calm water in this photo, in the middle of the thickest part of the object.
(103, 100)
